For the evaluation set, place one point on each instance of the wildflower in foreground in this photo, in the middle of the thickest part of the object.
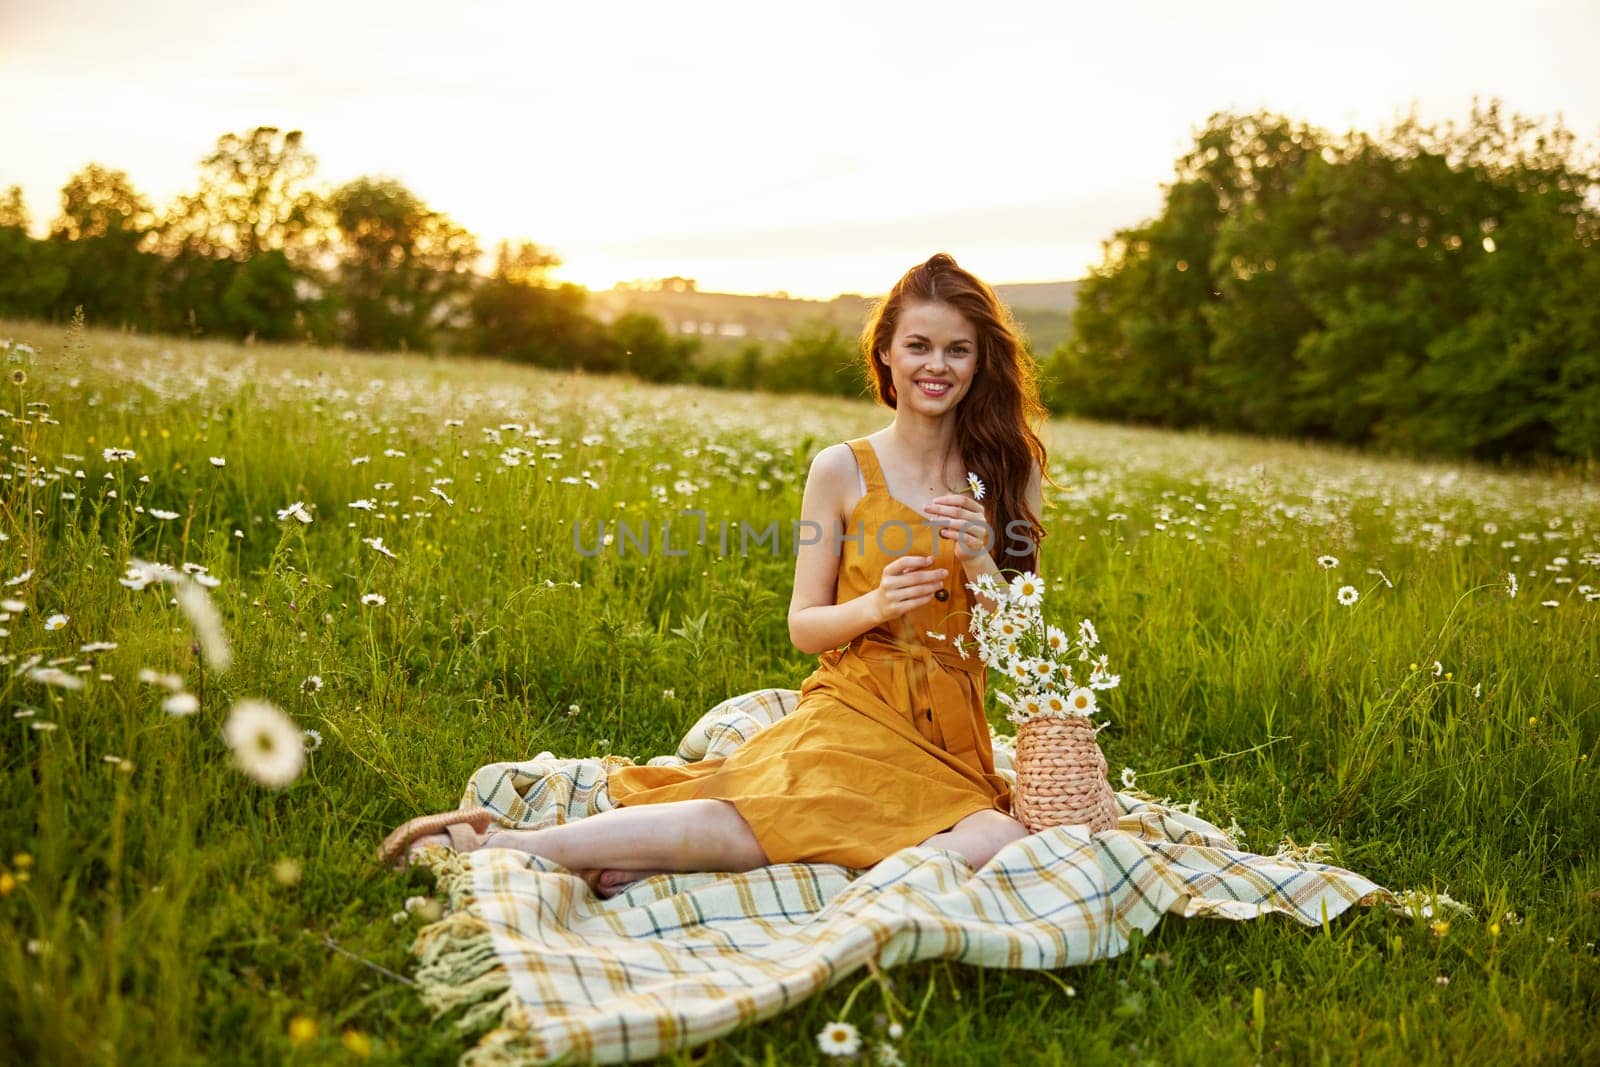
(356, 1043)
(297, 510)
(302, 1030)
(286, 871)
(57, 621)
(839, 1039)
(265, 744)
(1348, 595)
(1128, 776)
(207, 623)
(377, 599)
(377, 546)
(1328, 562)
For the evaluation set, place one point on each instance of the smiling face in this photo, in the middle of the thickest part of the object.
(932, 358)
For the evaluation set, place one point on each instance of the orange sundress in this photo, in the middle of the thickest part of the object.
(888, 744)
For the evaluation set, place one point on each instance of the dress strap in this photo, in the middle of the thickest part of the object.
(867, 460)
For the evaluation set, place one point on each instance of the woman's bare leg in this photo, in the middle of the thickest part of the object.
(682, 835)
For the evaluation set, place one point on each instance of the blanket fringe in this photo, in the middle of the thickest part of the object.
(458, 966)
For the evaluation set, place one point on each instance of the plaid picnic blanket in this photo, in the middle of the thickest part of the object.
(676, 960)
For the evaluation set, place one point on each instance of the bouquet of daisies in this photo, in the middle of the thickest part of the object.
(1035, 660)
(1047, 682)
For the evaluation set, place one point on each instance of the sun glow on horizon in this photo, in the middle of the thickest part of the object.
(640, 142)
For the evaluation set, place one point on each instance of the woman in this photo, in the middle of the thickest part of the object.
(888, 746)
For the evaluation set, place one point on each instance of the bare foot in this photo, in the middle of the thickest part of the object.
(425, 840)
(610, 881)
(606, 882)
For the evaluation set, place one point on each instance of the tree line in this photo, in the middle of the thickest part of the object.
(257, 252)
(1425, 290)
(1429, 291)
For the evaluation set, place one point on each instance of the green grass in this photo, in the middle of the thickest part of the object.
(142, 922)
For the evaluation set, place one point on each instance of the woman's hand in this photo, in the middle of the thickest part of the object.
(907, 582)
(962, 519)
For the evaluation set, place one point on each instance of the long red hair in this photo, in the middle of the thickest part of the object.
(993, 419)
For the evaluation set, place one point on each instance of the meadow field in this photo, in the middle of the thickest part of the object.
(388, 547)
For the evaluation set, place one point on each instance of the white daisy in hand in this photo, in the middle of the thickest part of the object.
(975, 486)
(839, 1039)
(1027, 589)
(266, 745)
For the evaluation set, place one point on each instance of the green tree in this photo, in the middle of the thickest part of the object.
(31, 275)
(253, 197)
(815, 358)
(515, 315)
(99, 240)
(403, 268)
(649, 351)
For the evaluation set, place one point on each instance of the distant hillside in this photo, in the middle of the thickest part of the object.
(726, 320)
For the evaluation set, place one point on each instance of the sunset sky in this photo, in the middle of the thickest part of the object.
(817, 148)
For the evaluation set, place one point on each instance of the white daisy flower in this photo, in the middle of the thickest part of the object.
(57, 621)
(265, 743)
(98, 646)
(1348, 595)
(1128, 777)
(181, 704)
(164, 516)
(364, 504)
(311, 683)
(296, 510)
(312, 739)
(975, 486)
(19, 579)
(1081, 701)
(15, 607)
(55, 677)
(173, 682)
(117, 455)
(1027, 589)
(373, 598)
(1087, 635)
(1055, 639)
(1511, 585)
(1328, 562)
(839, 1039)
(207, 623)
(377, 546)
(219, 461)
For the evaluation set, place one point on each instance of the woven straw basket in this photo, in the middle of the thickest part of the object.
(1061, 776)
